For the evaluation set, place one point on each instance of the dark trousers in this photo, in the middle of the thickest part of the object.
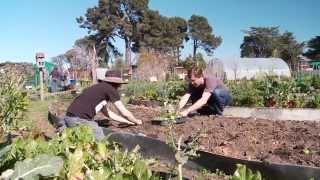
(218, 100)
(76, 121)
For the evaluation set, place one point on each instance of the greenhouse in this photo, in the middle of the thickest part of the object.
(248, 68)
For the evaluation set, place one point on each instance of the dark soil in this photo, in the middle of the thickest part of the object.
(294, 142)
(146, 103)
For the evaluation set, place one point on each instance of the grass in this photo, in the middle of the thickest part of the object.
(36, 116)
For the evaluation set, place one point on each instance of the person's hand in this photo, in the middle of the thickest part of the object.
(138, 121)
(184, 113)
(130, 123)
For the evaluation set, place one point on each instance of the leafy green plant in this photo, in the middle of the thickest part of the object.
(168, 111)
(83, 156)
(13, 101)
(183, 151)
(245, 94)
(42, 165)
(244, 173)
(315, 81)
(175, 89)
(273, 91)
(316, 101)
(159, 91)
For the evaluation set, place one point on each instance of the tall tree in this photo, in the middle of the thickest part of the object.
(84, 56)
(162, 35)
(290, 49)
(130, 13)
(78, 57)
(201, 33)
(101, 23)
(269, 42)
(59, 60)
(259, 41)
(176, 33)
(189, 62)
(88, 44)
(152, 31)
(115, 18)
(313, 46)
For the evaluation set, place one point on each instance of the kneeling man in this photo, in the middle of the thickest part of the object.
(208, 94)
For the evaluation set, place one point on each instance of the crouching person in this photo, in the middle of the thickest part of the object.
(208, 95)
(95, 99)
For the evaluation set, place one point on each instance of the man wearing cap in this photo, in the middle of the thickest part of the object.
(95, 99)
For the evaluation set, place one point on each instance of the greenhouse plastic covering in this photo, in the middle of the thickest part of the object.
(240, 68)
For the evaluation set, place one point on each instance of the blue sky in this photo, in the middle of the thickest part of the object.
(50, 26)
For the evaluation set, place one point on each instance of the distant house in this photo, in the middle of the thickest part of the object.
(315, 64)
(79, 74)
(248, 68)
(180, 72)
(304, 63)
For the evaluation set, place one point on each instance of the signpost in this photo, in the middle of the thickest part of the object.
(40, 64)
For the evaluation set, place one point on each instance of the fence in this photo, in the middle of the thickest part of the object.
(298, 74)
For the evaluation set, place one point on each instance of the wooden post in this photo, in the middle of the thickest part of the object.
(41, 84)
(40, 64)
(94, 64)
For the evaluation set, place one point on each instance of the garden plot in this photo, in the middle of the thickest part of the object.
(252, 139)
(294, 142)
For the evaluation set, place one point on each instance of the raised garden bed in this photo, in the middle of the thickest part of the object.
(162, 121)
(147, 103)
(294, 142)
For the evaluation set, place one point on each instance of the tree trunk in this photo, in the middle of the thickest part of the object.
(128, 52)
(178, 54)
(194, 49)
(94, 65)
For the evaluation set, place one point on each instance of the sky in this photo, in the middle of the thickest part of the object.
(50, 26)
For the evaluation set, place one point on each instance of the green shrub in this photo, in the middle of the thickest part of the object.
(316, 101)
(13, 101)
(159, 91)
(143, 90)
(315, 81)
(244, 93)
(175, 89)
(275, 92)
(268, 91)
(190, 62)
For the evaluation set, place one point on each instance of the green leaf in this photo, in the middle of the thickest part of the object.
(141, 170)
(75, 163)
(99, 175)
(102, 149)
(4, 151)
(43, 165)
(244, 173)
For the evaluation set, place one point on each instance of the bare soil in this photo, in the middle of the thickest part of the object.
(294, 142)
